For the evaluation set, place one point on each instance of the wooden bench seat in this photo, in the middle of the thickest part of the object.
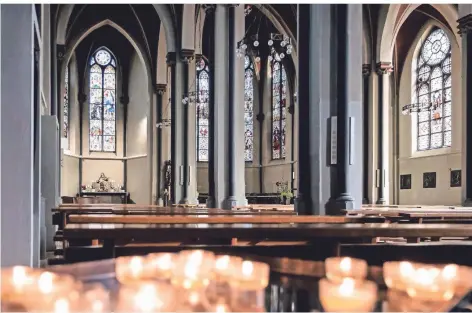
(209, 219)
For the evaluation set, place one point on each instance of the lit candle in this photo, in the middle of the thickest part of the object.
(251, 275)
(396, 273)
(431, 283)
(338, 268)
(193, 269)
(226, 267)
(146, 297)
(160, 265)
(348, 295)
(249, 282)
(130, 269)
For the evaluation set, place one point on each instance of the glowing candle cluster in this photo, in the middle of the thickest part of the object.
(425, 282)
(345, 288)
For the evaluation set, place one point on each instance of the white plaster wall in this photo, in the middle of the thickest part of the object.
(70, 176)
(138, 173)
(441, 161)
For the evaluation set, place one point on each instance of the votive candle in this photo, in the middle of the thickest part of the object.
(348, 295)
(338, 268)
(146, 297)
(193, 269)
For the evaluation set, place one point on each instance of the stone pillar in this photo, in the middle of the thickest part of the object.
(349, 108)
(236, 164)
(320, 191)
(17, 135)
(189, 157)
(465, 30)
(366, 71)
(228, 110)
(210, 19)
(315, 105)
(160, 90)
(219, 119)
(177, 125)
(383, 69)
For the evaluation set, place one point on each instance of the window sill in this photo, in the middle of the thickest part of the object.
(430, 153)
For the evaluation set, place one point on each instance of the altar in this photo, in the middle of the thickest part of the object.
(103, 190)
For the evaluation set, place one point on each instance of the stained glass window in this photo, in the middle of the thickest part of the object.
(279, 101)
(433, 92)
(203, 109)
(66, 105)
(248, 108)
(102, 102)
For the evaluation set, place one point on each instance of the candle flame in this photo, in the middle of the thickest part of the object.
(345, 264)
(220, 308)
(449, 272)
(347, 287)
(19, 275)
(136, 265)
(222, 262)
(97, 306)
(193, 298)
(45, 282)
(248, 268)
(406, 268)
(164, 262)
(146, 299)
(61, 306)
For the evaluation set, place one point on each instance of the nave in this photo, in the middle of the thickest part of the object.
(257, 157)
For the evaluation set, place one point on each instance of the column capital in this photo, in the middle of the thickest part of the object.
(171, 58)
(465, 24)
(60, 52)
(366, 69)
(160, 89)
(187, 55)
(384, 68)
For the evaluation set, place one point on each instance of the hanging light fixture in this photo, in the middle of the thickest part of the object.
(279, 45)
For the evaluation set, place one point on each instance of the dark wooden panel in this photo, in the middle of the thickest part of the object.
(279, 231)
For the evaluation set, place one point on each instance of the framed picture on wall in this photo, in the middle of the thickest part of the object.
(429, 180)
(405, 181)
(456, 178)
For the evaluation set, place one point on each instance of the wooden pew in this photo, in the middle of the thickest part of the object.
(322, 236)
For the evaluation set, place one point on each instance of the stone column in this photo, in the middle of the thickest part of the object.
(17, 135)
(189, 157)
(383, 69)
(315, 105)
(366, 71)
(236, 165)
(177, 125)
(322, 189)
(465, 30)
(349, 107)
(160, 90)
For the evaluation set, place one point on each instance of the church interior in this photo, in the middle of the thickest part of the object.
(236, 157)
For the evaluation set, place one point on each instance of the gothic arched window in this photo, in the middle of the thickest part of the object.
(279, 101)
(433, 89)
(202, 98)
(66, 104)
(248, 108)
(102, 102)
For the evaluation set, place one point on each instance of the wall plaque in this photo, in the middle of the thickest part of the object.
(405, 181)
(456, 178)
(429, 180)
(334, 140)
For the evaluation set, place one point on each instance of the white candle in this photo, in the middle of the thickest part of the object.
(347, 296)
(338, 268)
